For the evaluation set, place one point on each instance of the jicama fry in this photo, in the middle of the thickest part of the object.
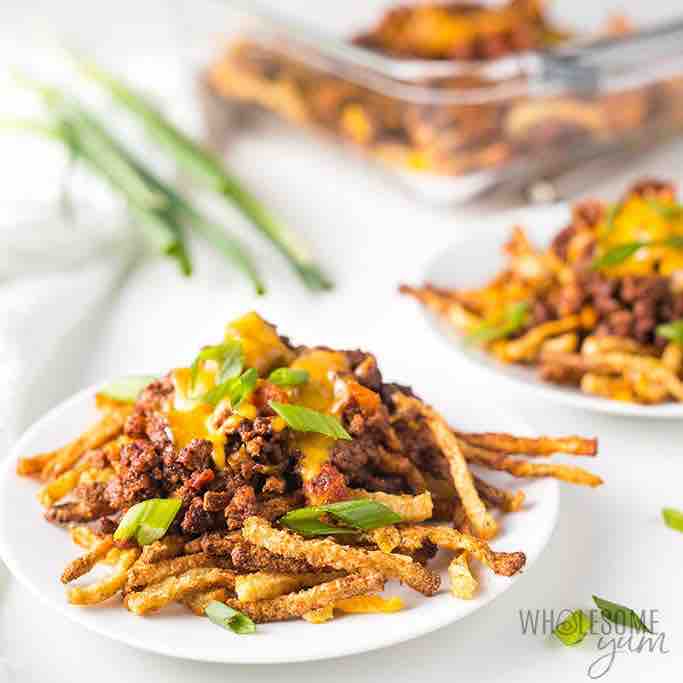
(410, 508)
(369, 604)
(35, 464)
(393, 463)
(320, 615)
(105, 589)
(524, 468)
(447, 307)
(83, 564)
(296, 605)
(265, 585)
(527, 347)
(507, 501)
(108, 428)
(173, 588)
(197, 602)
(544, 445)
(86, 538)
(483, 522)
(250, 558)
(505, 564)
(326, 553)
(463, 583)
(386, 538)
(165, 548)
(142, 574)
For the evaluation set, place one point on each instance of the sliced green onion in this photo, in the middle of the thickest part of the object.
(514, 319)
(227, 617)
(306, 420)
(288, 377)
(235, 389)
(229, 355)
(672, 331)
(619, 614)
(361, 515)
(208, 169)
(127, 389)
(573, 629)
(673, 518)
(622, 252)
(148, 521)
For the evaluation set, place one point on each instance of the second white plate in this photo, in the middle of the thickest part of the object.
(476, 259)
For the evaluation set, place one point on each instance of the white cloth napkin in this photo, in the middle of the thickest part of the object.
(55, 270)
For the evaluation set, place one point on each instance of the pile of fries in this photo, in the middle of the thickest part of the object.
(600, 309)
(257, 565)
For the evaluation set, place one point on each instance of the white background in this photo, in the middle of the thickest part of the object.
(370, 235)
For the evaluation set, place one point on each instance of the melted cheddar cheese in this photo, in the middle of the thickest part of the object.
(263, 349)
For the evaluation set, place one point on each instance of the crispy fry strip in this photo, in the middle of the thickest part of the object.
(507, 501)
(142, 574)
(410, 508)
(35, 464)
(108, 428)
(250, 558)
(173, 588)
(296, 605)
(483, 522)
(463, 583)
(165, 548)
(327, 553)
(544, 445)
(319, 616)
(505, 564)
(197, 602)
(527, 347)
(265, 585)
(393, 463)
(83, 564)
(86, 538)
(105, 589)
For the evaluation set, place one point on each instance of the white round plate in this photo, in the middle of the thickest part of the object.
(36, 553)
(474, 261)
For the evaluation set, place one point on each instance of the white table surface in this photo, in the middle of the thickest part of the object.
(370, 235)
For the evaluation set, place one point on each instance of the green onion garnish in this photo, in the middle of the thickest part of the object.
(227, 617)
(306, 420)
(229, 355)
(209, 170)
(148, 521)
(360, 515)
(573, 629)
(623, 252)
(288, 377)
(672, 331)
(127, 389)
(619, 614)
(673, 518)
(235, 389)
(514, 319)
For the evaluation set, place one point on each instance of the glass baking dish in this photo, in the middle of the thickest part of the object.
(453, 127)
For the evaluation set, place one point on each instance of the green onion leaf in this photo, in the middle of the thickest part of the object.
(619, 614)
(235, 389)
(362, 515)
(229, 355)
(288, 377)
(672, 331)
(618, 254)
(515, 318)
(673, 518)
(573, 629)
(127, 389)
(227, 617)
(148, 521)
(306, 420)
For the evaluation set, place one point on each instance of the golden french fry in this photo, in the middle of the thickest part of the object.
(35, 464)
(393, 463)
(505, 564)
(84, 537)
(507, 501)
(108, 428)
(265, 585)
(566, 343)
(463, 583)
(173, 588)
(319, 616)
(446, 307)
(327, 553)
(83, 564)
(296, 605)
(142, 574)
(482, 521)
(105, 589)
(386, 538)
(672, 357)
(166, 548)
(197, 602)
(544, 445)
(410, 508)
(528, 346)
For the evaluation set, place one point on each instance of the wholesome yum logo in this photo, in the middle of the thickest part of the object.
(613, 637)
